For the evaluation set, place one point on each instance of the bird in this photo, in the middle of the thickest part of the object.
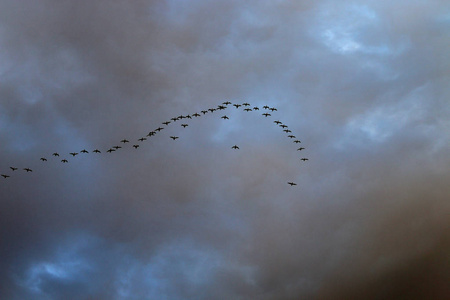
(28, 170)
(184, 125)
(84, 151)
(196, 115)
(188, 117)
(248, 109)
(12, 168)
(55, 154)
(173, 137)
(166, 123)
(212, 109)
(283, 126)
(64, 161)
(225, 117)
(297, 141)
(204, 112)
(174, 119)
(142, 139)
(246, 104)
(43, 159)
(256, 108)
(124, 141)
(304, 159)
(266, 115)
(5, 176)
(73, 153)
(292, 183)
(287, 130)
(236, 105)
(273, 109)
(291, 136)
(277, 122)
(235, 147)
(159, 129)
(226, 102)
(265, 107)
(136, 146)
(220, 107)
(151, 133)
(97, 151)
(300, 149)
(110, 150)
(117, 147)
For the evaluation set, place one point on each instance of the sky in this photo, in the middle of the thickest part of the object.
(362, 84)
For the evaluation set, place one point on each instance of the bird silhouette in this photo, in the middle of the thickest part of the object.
(110, 150)
(235, 147)
(266, 115)
(283, 126)
(277, 122)
(43, 159)
(142, 139)
(220, 107)
(159, 129)
(136, 146)
(196, 115)
(246, 104)
(117, 147)
(292, 183)
(304, 159)
(204, 112)
(97, 151)
(291, 136)
(300, 149)
(12, 168)
(55, 154)
(256, 108)
(297, 142)
(84, 151)
(226, 102)
(173, 137)
(28, 170)
(124, 141)
(184, 125)
(166, 123)
(287, 130)
(225, 117)
(248, 109)
(5, 176)
(237, 105)
(73, 154)
(273, 109)
(151, 133)
(265, 107)
(64, 161)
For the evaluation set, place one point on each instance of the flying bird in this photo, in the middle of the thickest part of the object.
(97, 151)
(266, 115)
(256, 108)
(12, 168)
(237, 105)
(117, 147)
(287, 130)
(184, 125)
(55, 154)
(212, 109)
(265, 107)
(246, 104)
(297, 141)
(136, 146)
(173, 137)
(188, 117)
(43, 159)
(225, 117)
(196, 115)
(5, 176)
(84, 151)
(159, 129)
(300, 149)
(292, 183)
(142, 139)
(220, 107)
(291, 136)
(64, 161)
(235, 147)
(73, 153)
(151, 133)
(28, 170)
(174, 119)
(277, 122)
(304, 159)
(166, 123)
(273, 109)
(226, 102)
(283, 126)
(204, 112)
(248, 109)
(124, 141)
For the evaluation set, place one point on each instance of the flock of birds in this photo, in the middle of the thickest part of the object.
(246, 107)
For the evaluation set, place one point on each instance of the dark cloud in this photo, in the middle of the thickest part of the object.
(362, 85)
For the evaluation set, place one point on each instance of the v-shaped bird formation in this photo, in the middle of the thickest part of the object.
(245, 107)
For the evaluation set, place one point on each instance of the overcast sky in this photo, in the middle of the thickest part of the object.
(362, 84)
